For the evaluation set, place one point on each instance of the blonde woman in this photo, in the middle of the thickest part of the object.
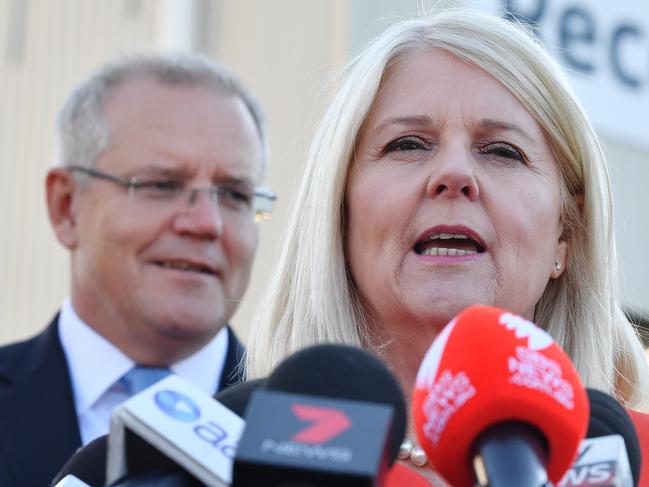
(454, 166)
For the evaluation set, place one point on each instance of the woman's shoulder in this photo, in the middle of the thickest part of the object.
(402, 476)
(641, 423)
(639, 418)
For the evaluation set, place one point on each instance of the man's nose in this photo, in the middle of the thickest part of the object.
(201, 215)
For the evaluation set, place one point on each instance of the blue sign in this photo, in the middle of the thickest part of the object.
(177, 406)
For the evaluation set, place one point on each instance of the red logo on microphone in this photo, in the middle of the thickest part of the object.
(327, 423)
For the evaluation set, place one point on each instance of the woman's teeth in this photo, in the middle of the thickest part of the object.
(447, 236)
(447, 251)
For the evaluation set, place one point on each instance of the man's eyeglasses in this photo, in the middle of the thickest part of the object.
(169, 194)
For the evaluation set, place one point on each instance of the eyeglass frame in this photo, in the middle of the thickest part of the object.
(261, 194)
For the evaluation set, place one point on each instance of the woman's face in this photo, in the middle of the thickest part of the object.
(453, 197)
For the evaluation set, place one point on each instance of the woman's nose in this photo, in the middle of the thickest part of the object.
(453, 175)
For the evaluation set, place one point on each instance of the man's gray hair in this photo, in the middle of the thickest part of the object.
(83, 131)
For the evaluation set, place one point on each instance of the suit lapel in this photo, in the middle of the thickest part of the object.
(232, 368)
(38, 423)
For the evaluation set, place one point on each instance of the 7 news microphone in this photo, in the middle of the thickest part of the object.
(330, 415)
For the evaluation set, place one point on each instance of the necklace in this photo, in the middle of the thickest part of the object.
(416, 454)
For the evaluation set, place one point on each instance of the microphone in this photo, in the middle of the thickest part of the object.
(330, 415)
(186, 437)
(89, 463)
(236, 397)
(180, 422)
(162, 478)
(71, 481)
(498, 402)
(610, 455)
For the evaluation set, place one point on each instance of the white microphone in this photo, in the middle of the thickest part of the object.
(71, 481)
(174, 418)
(602, 462)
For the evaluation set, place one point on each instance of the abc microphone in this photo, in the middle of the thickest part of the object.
(89, 463)
(497, 402)
(330, 415)
(610, 455)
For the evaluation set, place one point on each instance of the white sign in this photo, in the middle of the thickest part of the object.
(604, 48)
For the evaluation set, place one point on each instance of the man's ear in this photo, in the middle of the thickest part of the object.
(61, 191)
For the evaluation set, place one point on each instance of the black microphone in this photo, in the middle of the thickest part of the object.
(162, 478)
(151, 467)
(88, 464)
(330, 415)
(610, 454)
(146, 463)
(71, 481)
(236, 397)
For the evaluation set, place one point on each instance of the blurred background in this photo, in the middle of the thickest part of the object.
(288, 53)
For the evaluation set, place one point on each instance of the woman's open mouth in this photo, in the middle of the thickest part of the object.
(450, 244)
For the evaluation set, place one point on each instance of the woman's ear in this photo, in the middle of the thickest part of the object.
(560, 259)
(60, 187)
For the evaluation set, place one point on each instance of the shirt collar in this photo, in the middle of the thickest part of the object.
(95, 364)
(204, 368)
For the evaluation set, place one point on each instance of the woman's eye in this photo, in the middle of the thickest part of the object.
(407, 144)
(503, 150)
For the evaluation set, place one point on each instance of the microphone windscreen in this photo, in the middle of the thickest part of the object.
(87, 464)
(157, 479)
(608, 417)
(489, 366)
(343, 372)
(236, 397)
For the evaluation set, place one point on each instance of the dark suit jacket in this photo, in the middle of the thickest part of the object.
(38, 421)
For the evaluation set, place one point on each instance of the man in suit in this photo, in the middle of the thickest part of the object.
(156, 199)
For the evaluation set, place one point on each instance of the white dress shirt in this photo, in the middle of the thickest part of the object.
(96, 366)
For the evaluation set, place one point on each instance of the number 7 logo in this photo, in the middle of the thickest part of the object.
(327, 423)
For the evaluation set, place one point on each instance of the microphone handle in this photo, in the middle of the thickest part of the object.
(511, 454)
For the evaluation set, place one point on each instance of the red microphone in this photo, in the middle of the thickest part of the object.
(498, 402)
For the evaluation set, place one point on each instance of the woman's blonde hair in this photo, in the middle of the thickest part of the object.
(311, 298)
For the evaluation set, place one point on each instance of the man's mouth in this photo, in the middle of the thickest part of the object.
(452, 244)
(187, 266)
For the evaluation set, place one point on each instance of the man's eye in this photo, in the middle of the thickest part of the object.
(235, 196)
(161, 188)
(409, 143)
(503, 150)
(166, 185)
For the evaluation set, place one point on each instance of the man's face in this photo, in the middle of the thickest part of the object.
(150, 274)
